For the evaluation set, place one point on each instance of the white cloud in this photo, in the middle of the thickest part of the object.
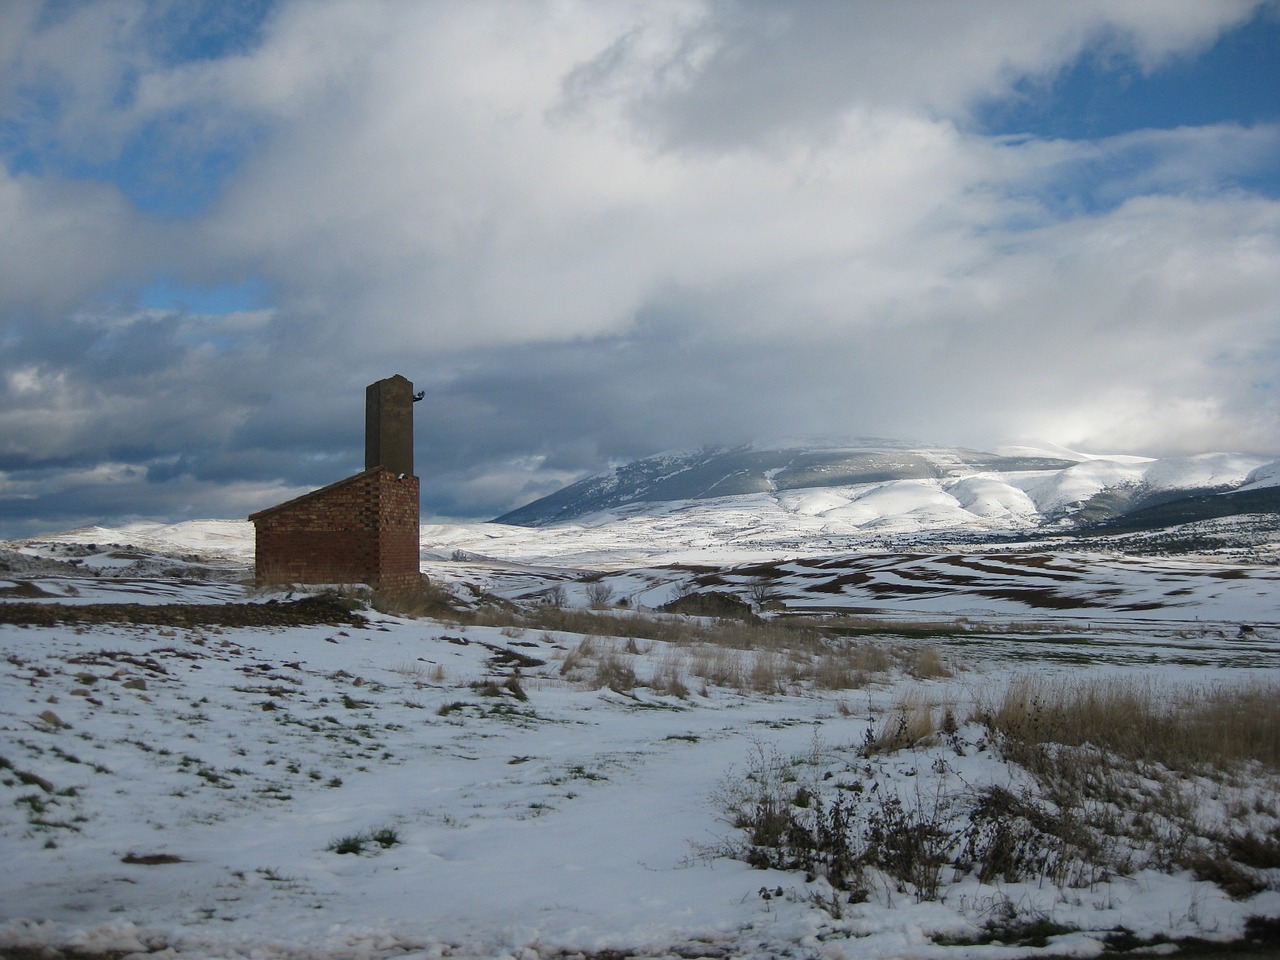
(748, 72)
(64, 241)
(746, 217)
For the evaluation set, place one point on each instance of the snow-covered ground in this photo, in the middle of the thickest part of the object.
(576, 820)
(181, 788)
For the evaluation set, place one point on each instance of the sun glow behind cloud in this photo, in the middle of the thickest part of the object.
(595, 230)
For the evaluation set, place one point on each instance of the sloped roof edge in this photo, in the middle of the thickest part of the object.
(345, 481)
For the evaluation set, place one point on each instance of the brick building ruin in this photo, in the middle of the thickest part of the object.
(363, 529)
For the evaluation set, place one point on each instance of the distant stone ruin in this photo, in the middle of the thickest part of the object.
(363, 529)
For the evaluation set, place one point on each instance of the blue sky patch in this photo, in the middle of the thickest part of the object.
(168, 166)
(1237, 80)
(167, 294)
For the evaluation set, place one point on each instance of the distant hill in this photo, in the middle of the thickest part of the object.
(884, 485)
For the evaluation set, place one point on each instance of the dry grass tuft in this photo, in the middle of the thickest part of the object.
(851, 666)
(1191, 729)
(718, 666)
(615, 672)
(925, 663)
(668, 678)
(750, 656)
(430, 599)
(577, 658)
(910, 721)
(767, 673)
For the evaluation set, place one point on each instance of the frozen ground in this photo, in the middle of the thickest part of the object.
(179, 789)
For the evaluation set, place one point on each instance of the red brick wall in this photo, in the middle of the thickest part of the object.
(398, 539)
(363, 529)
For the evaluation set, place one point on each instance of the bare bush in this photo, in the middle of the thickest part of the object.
(762, 591)
(848, 828)
(599, 595)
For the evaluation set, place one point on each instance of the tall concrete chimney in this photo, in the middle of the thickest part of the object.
(388, 425)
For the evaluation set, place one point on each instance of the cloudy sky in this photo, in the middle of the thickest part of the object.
(594, 230)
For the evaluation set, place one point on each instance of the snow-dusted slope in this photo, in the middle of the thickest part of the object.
(207, 539)
(963, 499)
(1267, 475)
(878, 486)
(715, 472)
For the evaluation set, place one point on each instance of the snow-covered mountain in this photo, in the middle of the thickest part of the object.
(758, 504)
(884, 487)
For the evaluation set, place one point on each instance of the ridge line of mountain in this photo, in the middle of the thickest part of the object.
(869, 482)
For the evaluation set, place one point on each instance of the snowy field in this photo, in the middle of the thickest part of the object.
(399, 787)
